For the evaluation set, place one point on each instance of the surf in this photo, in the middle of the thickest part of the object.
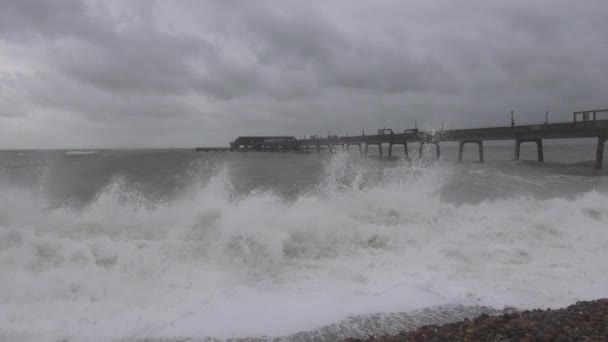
(212, 263)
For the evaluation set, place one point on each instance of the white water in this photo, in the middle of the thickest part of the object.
(207, 265)
(76, 153)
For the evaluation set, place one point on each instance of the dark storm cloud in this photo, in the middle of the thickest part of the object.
(42, 19)
(132, 63)
(305, 40)
(197, 71)
(96, 51)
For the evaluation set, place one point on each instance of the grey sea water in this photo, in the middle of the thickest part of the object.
(170, 244)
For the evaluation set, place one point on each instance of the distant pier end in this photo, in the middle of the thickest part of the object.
(265, 144)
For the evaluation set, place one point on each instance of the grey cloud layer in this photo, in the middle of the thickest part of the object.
(199, 72)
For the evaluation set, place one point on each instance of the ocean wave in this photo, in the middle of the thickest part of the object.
(209, 264)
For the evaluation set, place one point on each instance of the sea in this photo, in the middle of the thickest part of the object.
(175, 245)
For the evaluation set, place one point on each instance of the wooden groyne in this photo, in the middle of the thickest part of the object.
(585, 124)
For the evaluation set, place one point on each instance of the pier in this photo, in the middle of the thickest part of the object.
(584, 124)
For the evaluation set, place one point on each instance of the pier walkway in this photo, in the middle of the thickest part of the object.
(585, 124)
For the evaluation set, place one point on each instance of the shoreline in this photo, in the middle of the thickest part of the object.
(583, 321)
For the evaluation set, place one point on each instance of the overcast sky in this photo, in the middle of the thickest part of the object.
(198, 73)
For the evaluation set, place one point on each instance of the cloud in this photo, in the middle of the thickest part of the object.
(30, 19)
(201, 72)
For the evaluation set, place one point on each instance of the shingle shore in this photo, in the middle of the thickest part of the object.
(583, 321)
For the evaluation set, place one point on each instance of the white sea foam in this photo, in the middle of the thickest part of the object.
(207, 265)
(76, 153)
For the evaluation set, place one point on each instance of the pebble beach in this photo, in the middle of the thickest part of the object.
(583, 321)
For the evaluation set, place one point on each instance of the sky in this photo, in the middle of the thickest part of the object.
(185, 73)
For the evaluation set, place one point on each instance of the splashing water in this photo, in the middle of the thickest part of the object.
(361, 243)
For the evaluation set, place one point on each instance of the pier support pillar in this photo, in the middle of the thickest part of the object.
(539, 148)
(438, 150)
(390, 150)
(318, 148)
(599, 153)
(461, 149)
(407, 154)
(360, 149)
(366, 149)
(380, 150)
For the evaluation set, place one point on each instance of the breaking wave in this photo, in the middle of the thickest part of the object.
(362, 246)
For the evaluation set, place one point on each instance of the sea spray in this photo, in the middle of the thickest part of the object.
(215, 263)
